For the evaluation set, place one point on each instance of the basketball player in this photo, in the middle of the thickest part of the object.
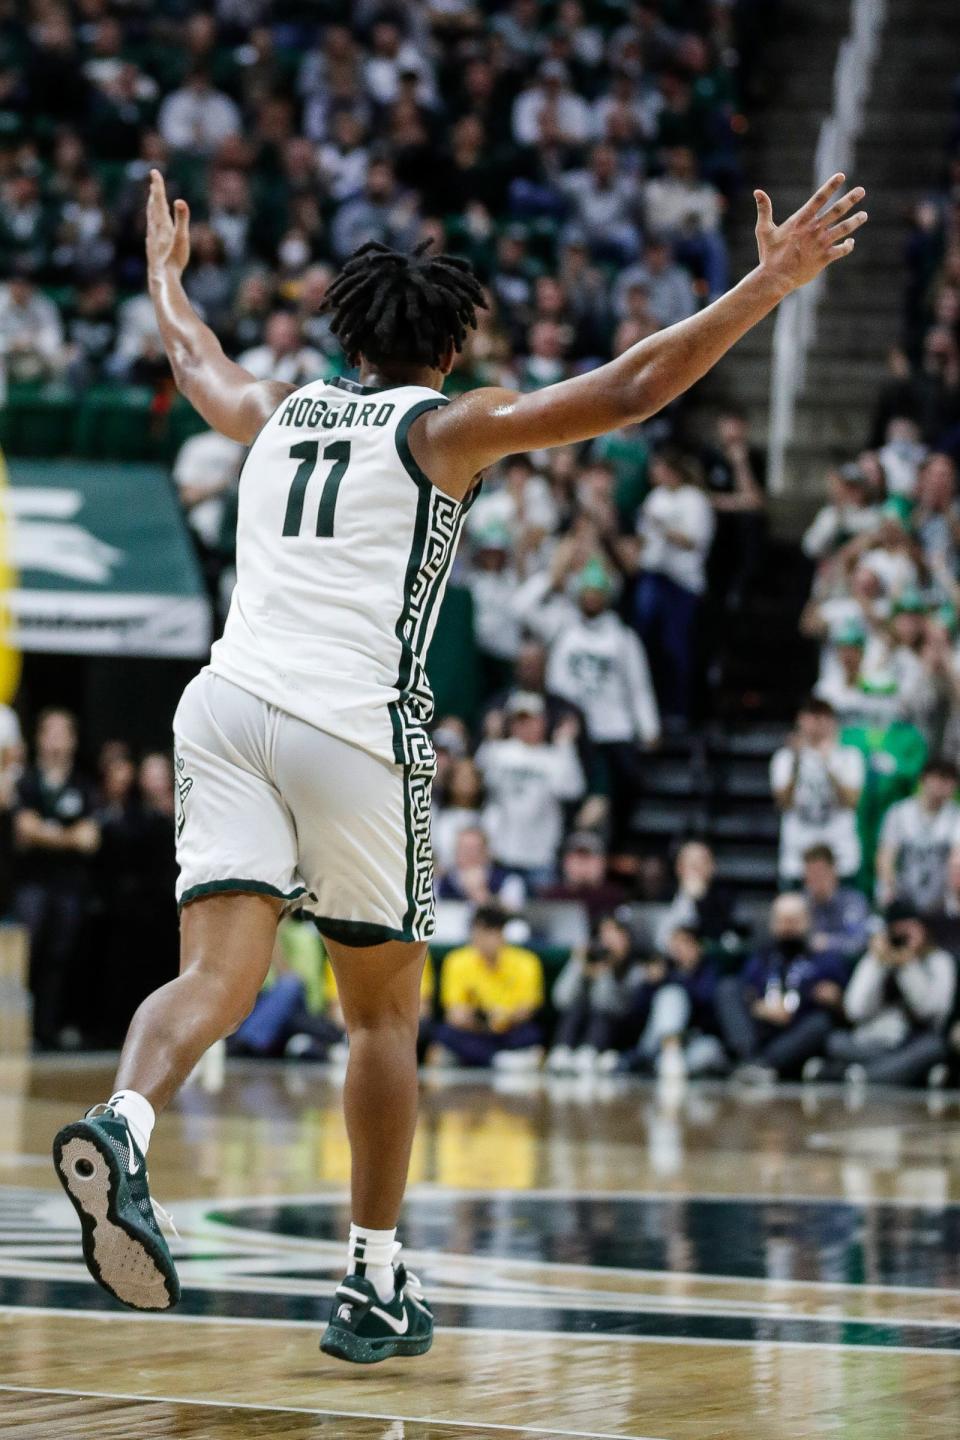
(304, 761)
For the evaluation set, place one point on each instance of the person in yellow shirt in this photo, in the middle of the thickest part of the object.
(491, 994)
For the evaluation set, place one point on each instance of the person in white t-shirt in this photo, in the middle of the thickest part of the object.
(859, 696)
(851, 512)
(528, 780)
(205, 470)
(831, 610)
(918, 836)
(493, 583)
(675, 525)
(890, 552)
(816, 783)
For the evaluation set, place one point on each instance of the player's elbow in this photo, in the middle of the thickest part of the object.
(648, 391)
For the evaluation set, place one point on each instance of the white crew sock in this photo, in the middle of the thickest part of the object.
(138, 1113)
(370, 1254)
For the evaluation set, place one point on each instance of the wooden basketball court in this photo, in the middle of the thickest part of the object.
(604, 1261)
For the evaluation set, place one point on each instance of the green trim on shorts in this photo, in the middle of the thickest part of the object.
(228, 887)
(360, 932)
(409, 877)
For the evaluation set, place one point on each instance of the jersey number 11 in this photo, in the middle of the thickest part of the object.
(307, 452)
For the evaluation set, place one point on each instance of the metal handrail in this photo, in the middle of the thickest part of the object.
(796, 324)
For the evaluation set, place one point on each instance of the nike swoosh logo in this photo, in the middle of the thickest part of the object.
(133, 1164)
(400, 1327)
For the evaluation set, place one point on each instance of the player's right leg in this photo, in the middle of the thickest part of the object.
(363, 834)
(237, 851)
(379, 1309)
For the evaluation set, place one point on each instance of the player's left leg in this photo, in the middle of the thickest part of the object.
(225, 951)
(379, 1309)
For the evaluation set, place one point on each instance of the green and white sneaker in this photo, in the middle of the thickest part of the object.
(103, 1171)
(365, 1329)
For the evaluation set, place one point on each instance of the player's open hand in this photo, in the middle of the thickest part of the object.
(168, 238)
(814, 236)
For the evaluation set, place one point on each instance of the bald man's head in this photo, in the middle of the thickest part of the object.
(789, 917)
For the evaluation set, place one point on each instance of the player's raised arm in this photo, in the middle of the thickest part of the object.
(228, 397)
(484, 425)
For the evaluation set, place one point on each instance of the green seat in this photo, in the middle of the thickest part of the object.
(115, 423)
(38, 420)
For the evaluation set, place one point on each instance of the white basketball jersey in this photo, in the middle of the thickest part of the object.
(343, 552)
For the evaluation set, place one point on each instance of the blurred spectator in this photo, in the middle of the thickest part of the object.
(681, 205)
(31, 331)
(528, 780)
(856, 695)
(11, 737)
(901, 456)
(197, 117)
(675, 526)
(56, 836)
(599, 665)
(778, 1013)
(898, 1002)
(850, 511)
(680, 1035)
(473, 876)
(295, 1014)
(459, 804)
(204, 472)
(700, 902)
(917, 839)
(839, 915)
(936, 517)
(736, 478)
(605, 204)
(668, 286)
(550, 111)
(91, 332)
(379, 212)
(11, 768)
(491, 994)
(208, 281)
(283, 355)
(493, 582)
(594, 999)
(26, 231)
(583, 877)
(816, 783)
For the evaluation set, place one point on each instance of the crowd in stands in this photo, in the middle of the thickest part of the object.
(583, 158)
(87, 868)
(841, 987)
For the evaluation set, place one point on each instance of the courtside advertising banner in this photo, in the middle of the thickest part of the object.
(103, 562)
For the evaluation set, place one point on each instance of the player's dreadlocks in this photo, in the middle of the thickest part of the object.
(392, 307)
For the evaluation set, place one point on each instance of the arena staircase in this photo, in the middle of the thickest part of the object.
(715, 787)
(899, 157)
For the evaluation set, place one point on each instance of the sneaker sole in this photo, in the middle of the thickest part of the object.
(344, 1345)
(124, 1259)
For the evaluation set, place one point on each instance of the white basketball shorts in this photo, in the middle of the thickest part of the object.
(271, 805)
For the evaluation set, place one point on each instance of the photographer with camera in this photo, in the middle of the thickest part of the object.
(595, 996)
(898, 1002)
